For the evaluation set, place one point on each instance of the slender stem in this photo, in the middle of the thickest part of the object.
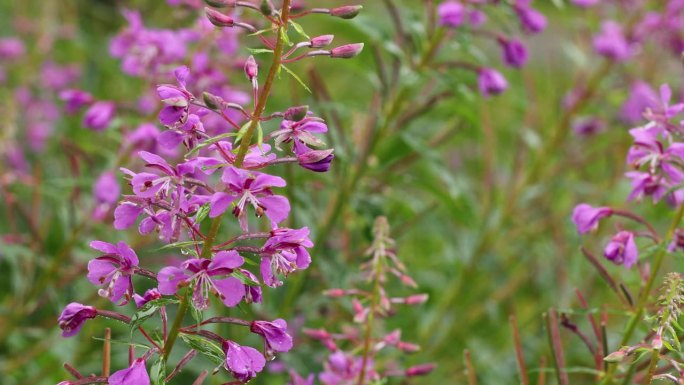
(106, 352)
(470, 369)
(367, 339)
(177, 322)
(655, 356)
(524, 378)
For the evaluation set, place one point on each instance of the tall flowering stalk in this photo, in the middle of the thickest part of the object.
(174, 199)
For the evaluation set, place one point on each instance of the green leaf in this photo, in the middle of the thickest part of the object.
(256, 51)
(180, 245)
(128, 343)
(297, 78)
(286, 39)
(300, 30)
(158, 372)
(260, 135)
(244, 279)
(202, 213)
(204, 346)
(209, 142)
(241, 133)
(148, 311)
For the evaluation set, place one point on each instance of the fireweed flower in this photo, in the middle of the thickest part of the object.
(645, 184)
(622, 250)
(204, 273)
(73, 317)
(254, 188)
(611, 42)
(343, 369)
(114, 270)
(491, 82)
(663, 111)
(243, 362)
(256, 157)
(284, 252)
(275, 335)
(75, 99)
(176, 98)
(99, 115)
(531, 20)
(135, 375)
(651, 148)
(641, 97)
(106, 192)
(302, 130)
(451, 13)
(586, 218)
(314, 160)
(296, 379)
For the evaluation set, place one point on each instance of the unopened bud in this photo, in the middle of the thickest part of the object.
(393, 338)
(221, 3)
(316, 160)
(408, 347)
(408, 281)
(657, 342)
(335, 293)
(616, 356)
(318, 334)
(219, 19)
(266, 7)
(296, 114)
(420, 370)
(417, 299)
(346, 51)
(321, 41)
(212, 101)
(251, 68)
(346, 12)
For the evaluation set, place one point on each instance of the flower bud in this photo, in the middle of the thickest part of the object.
(417, 299)
(318, 334)
(346, 12)
(73, 317)
(335, 293)
(491, 82)
(616, 356)
(221, 3)
(346, 51)
(296, 113)
(321, 41)
(266, 8)
(212, 101)
(408, 347)
(219, 19)
(420, 370)
(251, 68)
(657, 342)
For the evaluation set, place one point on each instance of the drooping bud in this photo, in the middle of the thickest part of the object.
(335, 293)
(346, 12)
(266, 7)
(321, 41)
(212, 101)
(347, 51)
(417, 299)
(616, 356)
(251, 68)
(296, 113)
(219, 19)
(408, 347)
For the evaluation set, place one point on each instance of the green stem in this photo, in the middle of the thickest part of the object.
(369, 323)
(177, 322)
(655, 356)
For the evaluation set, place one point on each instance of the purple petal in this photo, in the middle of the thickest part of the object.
(125, 215)
(276, 208)
(169, 278)
(226, 259)
(219, 203)
(99, 270)
(231, 290)
(170, 139)
(104, 247)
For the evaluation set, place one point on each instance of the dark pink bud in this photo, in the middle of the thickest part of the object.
(335, 293)
(420, 370)
(318, 334)
(251, 68)
(346, 12)
(407, 347)
(73, 317)
(321, 41)
(219, 19)
(316, 160)
(221, 3)
(408, 281)
(346, 51)
(296, 114)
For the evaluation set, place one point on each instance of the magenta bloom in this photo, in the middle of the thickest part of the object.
(451, 14)
(531, 20)
(584, 3)
(622, 250)
(135, 375)
(586, 218)
(663, 111)
(514, 52)
(650, 148)
(99, 115)
(150, 295)
(284, 252)
(275, 335)
(73, 317)
(204, 273)
(176, 98)
(296, 379)
(106, 192)
(641, 97)
(113, 270)
(252, 188)
(645, 184)
(611, 42)
(302, 130)
(11, 48)
(491, 82)
(314, 160)
(342, 369)
(243, 362)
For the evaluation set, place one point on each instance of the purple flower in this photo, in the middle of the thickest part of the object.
(284, 252)
(296, 379)
(252, 188)
(342, 369)
(243, 362)
(314, 160)
(531, 20)
(114, 270)
(451, 13)
(135, 375)
(106, 192)
(586, 218)
(611, 42)
(99, 115)
(664, 111)
(11, 48)
(649, 149)
(584, 3)
(275, 335)
(641, 97)
(491, 82)
(150, 295)
(588, 126)
(73, 317)
(302, 130)
(622, 250)
(75, 99)
(176, 98)
(645, 184)
(513, 51)
(204, 273)
(257, 157)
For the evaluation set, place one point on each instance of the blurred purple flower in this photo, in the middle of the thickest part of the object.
(150, 295)
(622, 250)
(491, 82)
(99, 115)
(641, 97)
(451, 13)
(513, 51)
(611, 42)
(75, 99)
(531, 20)
(586, 218)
